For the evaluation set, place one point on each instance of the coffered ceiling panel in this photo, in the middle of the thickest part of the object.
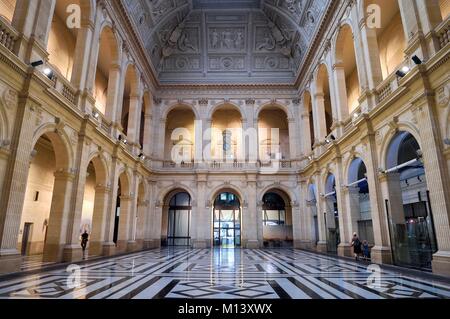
(226, 41)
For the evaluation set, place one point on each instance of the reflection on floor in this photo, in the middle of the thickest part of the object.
(221, 274)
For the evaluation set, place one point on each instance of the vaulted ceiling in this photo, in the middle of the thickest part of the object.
(226, 41)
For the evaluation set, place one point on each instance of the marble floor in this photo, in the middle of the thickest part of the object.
(221, 274)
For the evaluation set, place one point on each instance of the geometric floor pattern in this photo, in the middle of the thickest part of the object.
(221, 274)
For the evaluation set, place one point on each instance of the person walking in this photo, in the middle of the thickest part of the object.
(356, 244)
(84, 240)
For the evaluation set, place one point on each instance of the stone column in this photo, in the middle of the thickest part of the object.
(161, 140)
(132, 217)
(306, 134)
(14, 184)
(371, 57)
(142, 209)
(82, 53)
(201, 216)
(109, 247)
(150, 239)
(297, 224)
(338, 76)
(320, 126)
(429, 12)
(437, 175)
(321, 209)
(148, 124)
(112, 99)
(251, 230)
(73, 250)
(102, 196)
(134, 120)
(293, 141)
(33, 19)
(413, 29)
(303, 240)
(353, 210)
(59, 217)
(381, 252)
(124, 222)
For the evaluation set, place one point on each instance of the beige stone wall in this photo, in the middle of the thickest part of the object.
(273, 119)
(180, 119)
(7, 8)
(40, 179)
(223, 120)
(392, 44)
(61, 47)
(353, 90)
(445, 8)
(100, 91)
(88, 202)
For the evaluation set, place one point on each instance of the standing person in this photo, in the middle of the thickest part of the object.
(356, 244)
(366, 250)
(84, 240)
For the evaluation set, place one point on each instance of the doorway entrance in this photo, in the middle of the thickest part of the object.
(26, 238)
(179, 220)
(227, 221)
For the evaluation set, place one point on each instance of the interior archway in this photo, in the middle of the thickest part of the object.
(410, 216)
(346, 57)
(277, 219)
(180, 136)
(226, 134)
(273, 133)
(176, 220)
(105, 79)
(227, 220)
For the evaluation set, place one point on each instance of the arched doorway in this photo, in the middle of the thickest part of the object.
(408, 206)
(227, 221)
(178, 220)
(359, 204)
(312, 205)
(277, 220)
(331, 215)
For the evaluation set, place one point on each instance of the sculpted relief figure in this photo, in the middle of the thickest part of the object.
(268, 43)
(184, 44)
(215, 39)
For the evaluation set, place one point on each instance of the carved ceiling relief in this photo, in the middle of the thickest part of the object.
(265, 44)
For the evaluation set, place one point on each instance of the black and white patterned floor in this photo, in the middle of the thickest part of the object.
(221, 274)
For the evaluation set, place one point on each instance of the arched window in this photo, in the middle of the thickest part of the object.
(274, 210)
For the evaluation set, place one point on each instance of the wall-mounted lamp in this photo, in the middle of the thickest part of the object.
(123, 140)
(447, 141)
(142, 157)
(402, 72)
(35, 64)
(416, 60)
(330, 139)
(96, 115)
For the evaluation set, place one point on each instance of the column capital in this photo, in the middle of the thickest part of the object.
(64, 175)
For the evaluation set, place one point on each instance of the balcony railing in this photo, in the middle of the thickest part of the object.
(63, 86)
(8, 36)
(223, 166)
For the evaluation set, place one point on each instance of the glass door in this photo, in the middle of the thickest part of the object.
(227, 221)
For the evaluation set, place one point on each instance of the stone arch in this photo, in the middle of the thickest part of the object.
(125, 179)
(163, 196)
(393, 149)
(101, 168)
(227, 188)
(281, 190)
(403, 126)
(112, 39)
(278, 106)
(60, 142)
(353, 169)
(330, 182)
(177, 105)
(219, 106)
(131, 77)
